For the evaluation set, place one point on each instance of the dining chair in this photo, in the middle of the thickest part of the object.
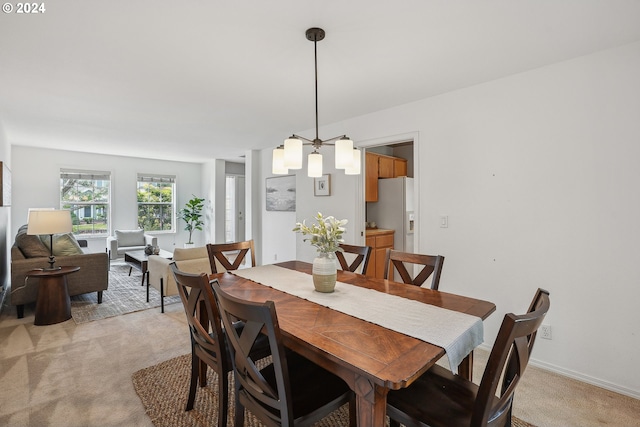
(363, 253)
(288, 391)
(432, 267)
(439, 398)
(208, 342)
(229, 256)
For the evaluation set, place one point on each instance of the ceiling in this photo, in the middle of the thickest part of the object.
(195, 80)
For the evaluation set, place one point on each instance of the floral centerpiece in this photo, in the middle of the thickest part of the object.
(326, 236)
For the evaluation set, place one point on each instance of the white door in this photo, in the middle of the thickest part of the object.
(234, 209)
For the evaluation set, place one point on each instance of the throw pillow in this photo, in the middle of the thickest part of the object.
(130, 237)
(30, 245)
(63, 245)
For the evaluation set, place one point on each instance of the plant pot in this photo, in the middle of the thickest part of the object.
(324, 272)
(189, 245)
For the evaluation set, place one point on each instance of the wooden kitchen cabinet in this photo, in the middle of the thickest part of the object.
(379, 166)
(371, 178)
(399, 167)
(385, 167)
(379, 240)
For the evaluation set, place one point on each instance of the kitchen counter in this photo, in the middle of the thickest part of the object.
(377, 231)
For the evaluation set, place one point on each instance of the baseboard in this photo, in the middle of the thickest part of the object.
(579, 376)
(585, 378)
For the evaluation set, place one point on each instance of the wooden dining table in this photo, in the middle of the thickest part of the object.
(371, 359)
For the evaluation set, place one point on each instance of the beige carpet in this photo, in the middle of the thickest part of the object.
(124, 295)
(163, 389)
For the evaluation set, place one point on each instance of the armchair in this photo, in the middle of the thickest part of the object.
(128, 240)
(191, 260)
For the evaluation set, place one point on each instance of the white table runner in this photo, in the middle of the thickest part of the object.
(458, 333)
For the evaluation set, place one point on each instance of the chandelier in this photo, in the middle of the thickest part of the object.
(289, 155)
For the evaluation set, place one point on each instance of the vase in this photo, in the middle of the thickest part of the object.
(324, 272)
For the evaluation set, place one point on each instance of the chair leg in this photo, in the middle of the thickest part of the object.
(161, 296)
(203, 374)
(99, 297)
(20, 309)
(239, 411)
(353, 414)
(194, 382)
(223, 398)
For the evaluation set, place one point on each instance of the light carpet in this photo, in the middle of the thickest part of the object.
(125, 294)
(163, 389)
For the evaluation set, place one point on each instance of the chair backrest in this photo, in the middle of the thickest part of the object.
(217, 252)
(432, 267)
(363, 254)
(203, 316)
(272, 406)
(510, 355)
(181, 254)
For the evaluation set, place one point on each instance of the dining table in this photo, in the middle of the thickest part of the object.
(372, 359)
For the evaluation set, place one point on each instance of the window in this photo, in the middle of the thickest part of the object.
(87, 195)
(156, 202)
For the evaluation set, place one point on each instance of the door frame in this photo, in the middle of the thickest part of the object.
(360, 207)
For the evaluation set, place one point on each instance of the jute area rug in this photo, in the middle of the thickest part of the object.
(163, 389)
(124, 295)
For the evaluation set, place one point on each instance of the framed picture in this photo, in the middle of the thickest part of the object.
(281, 193)
(322, 186)
(5, 185)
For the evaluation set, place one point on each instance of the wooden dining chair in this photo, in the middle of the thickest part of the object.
(230, 255)
(208, 342)
(363, 253)
(288, 391)
(439, 398)
(432, 267)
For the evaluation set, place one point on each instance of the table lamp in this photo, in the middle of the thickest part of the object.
(49, 221)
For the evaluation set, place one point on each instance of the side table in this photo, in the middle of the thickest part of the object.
(53, 304)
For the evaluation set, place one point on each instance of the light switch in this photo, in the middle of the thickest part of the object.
(444, 221)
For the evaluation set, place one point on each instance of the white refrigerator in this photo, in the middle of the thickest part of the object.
(394, 210)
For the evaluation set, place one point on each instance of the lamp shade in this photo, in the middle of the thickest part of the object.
(292, 153)
(344, 153)
(49, 221)
(314, 167)
(277, 162)
(354, 169)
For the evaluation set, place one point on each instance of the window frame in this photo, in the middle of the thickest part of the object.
(160, 179)
(76, 205)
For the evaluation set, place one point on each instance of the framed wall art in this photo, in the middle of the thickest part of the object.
(281, 193)
(322, 186)
(5, 185)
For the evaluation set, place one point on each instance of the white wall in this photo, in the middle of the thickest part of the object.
(36, 175)
(538, 173)
(6, 239)
(277, 242)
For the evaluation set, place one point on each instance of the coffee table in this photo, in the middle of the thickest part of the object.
(138, 260)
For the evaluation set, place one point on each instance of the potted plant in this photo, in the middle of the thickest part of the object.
(192, 215)
(326, 236)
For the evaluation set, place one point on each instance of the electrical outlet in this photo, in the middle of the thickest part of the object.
(545, 332)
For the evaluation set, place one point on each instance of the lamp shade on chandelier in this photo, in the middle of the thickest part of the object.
(289, 155)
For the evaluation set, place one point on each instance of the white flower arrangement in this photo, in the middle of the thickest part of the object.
(326, 235)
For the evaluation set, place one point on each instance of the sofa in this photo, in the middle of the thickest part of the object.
(29, 252)
(190, 260)
(128, 240)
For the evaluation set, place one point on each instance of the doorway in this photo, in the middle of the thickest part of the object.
(234, 217)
